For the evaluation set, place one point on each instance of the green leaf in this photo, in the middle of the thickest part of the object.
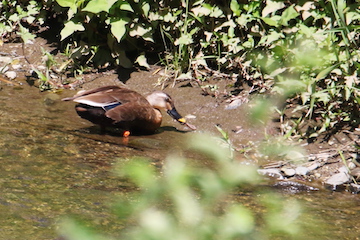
(288, 14)
(321, 96)
(185, 39)
(272, 7)
(142, 61)
(235, 7)
(126, 7)
(25, 34)
(69, 28)
(270, 21)
(140, 31)
(216, 12)
(118, 28)
(146, 9)
(96, 6)
(341, 5)
(224, 134)
(68, 3)
(326, 71)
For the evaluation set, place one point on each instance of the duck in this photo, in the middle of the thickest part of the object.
(120, 107)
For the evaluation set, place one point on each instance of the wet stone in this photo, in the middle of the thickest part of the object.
(338, 179)
(51, 99)
(301, 171)
(351, 165)
(313, 166)
(271, 172)
(354, 188)
(355, 172)
(294, 187)
(11, 75)
(288, 172)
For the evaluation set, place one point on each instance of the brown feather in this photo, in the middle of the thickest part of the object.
(134, 112)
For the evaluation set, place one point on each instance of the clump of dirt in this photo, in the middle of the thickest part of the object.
(206, 106)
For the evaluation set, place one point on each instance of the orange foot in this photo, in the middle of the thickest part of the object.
(126, 134)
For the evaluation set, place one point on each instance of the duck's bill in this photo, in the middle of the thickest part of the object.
(175, 115)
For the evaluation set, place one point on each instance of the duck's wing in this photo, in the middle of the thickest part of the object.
(130, 112)
(107, 97)
(91, 91)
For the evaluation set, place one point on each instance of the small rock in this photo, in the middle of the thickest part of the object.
(338, 179)
(190, 116)
(313, 166)
(10, 75)
(288, 172)
(301, 171)
(234, 104)
(5, 59)
(16, 66)
(354, 188)
(317, 175)
(294, 187)
(343, 169)
(355, 172)
(271, 172)
(351, 165)
(51, 99)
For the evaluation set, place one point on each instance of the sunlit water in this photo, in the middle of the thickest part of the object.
(53, 164)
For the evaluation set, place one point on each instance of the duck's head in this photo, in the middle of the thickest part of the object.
(161, 100)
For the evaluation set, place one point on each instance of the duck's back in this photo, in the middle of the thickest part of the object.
(113, 106)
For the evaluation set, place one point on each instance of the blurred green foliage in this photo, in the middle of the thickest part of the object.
(184, 200)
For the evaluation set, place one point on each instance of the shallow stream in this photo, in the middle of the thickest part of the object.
(54, 164)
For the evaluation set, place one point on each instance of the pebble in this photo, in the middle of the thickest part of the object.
(271, 172)
(288, 172)
(234, 104)
(338, 179)
(16, 66)
(317, 175)
(354, 188)
(190, 116)
(343, 169)
(351, 165)
(294, 187)
(5, 59)
(355, 172)
(10, 75)
(313, 166)
(301, 171)
(51, 99)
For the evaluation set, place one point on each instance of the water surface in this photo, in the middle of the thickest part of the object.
(54, 164)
